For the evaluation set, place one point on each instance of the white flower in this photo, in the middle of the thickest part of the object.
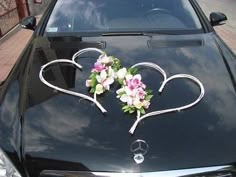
(146, 104)
(126, 99)
(128, 76)
(88, 83)
(106, 84)
(120, 91)
(128, 91)
(103, 75)
(111, 72)
(132, 93)
(138, 104)
(121, 73)
(104, 59)
(104, 80)
(99, 89)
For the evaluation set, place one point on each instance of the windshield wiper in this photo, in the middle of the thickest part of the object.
(112, 33)
(138, 33)
(123, 34)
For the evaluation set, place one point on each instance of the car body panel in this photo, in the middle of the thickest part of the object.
(62, 128)
(41, 129)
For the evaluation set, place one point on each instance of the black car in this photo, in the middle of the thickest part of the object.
(60, 117)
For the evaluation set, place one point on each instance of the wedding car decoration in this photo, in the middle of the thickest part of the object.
(103, 74)
(133, 93)
(78, 66)
(165, 81)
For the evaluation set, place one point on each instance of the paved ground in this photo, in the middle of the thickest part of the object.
(228, 30)
(10, 51)
(11, 48)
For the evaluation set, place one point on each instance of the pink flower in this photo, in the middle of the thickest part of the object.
(135, 82)
(141, 93)
(98, 67)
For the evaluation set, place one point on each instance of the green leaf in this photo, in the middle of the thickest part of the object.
(116, 64)
(92, 90)
(148, 97)
(131, 111)
(92, 75)
(132, 71)
(93, 82)
(126, 110)
(149, 91)
(142, 111)
(120, 81)
(129, 70)
(126, 106)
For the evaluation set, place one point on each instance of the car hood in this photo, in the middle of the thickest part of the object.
(62, 132)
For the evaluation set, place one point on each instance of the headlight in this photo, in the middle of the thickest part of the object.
(6, 167)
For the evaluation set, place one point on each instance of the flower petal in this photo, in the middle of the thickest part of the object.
(124, 98)
(130, 101)
(108, 82)
(121, 73)
(99, 79)
(137, 76)
(103, 75)
(88, 83)
(120, 90)
(99, 89)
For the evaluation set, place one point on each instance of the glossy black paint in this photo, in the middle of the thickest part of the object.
(41, 129)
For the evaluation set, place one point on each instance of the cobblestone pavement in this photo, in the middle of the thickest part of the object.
(10, 49)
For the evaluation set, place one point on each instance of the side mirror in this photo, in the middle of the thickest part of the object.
(216, 18)
(29, 23)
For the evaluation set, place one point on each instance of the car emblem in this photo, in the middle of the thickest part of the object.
(139, 148)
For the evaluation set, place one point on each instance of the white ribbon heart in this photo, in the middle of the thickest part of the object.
(145, 64)
(166, 80)
(94, 100)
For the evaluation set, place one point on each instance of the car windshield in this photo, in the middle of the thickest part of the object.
(78, 16)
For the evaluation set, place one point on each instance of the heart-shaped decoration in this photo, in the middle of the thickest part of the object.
(104, 75)
(78, 66)
(165, 81)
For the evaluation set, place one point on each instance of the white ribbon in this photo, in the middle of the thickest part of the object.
(94, 100)
(80, 52)
(166, 80)
(145, 64)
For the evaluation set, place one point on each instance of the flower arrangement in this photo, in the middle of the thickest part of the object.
(103, 74)
(133, 92)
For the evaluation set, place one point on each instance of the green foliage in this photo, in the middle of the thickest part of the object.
(93, 82)
(148, 97)
(92, 90)
(133, 71)
(142, 110)
(129, 109)
(116, 64)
